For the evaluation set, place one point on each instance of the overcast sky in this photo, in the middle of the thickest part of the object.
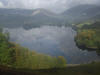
(54, 5)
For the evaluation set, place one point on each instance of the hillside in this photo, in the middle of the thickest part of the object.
(88, 36)
(13, 55)
(82, 13)
(28, 18)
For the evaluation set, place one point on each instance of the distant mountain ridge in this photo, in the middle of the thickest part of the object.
(43, 11)
(9, 11)
(37, 17)
(82, 12)
(23, 17)
(25, 12)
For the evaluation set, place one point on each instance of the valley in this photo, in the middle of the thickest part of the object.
(41, 42)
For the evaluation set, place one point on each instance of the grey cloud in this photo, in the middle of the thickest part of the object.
(54, 5)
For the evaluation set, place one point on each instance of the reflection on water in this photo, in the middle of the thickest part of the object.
(52, 40)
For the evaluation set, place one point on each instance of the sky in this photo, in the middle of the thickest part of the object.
(54, 5)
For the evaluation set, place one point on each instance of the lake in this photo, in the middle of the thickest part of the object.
(52, 40)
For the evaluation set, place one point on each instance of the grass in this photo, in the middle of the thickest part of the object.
(86, 69)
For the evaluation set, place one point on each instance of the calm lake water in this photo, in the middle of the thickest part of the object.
(52, 40)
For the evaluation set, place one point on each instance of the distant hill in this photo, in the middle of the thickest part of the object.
(5, 11)
(44, 16)
(28, 18)
(82, 13)
(45, 12)
(37, 17)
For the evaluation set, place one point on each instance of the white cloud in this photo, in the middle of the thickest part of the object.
(1, 4)
(55, 5)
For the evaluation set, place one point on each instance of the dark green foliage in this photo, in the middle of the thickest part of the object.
(88, 36)
(6, 52)
(0, 29)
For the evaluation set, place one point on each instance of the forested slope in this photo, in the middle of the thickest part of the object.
(13, 55)
(88, 36)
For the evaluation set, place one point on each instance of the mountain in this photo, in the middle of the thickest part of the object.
(28, 18)
(6, 11)
(82, 12)
(37, 17)
(45, 12)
